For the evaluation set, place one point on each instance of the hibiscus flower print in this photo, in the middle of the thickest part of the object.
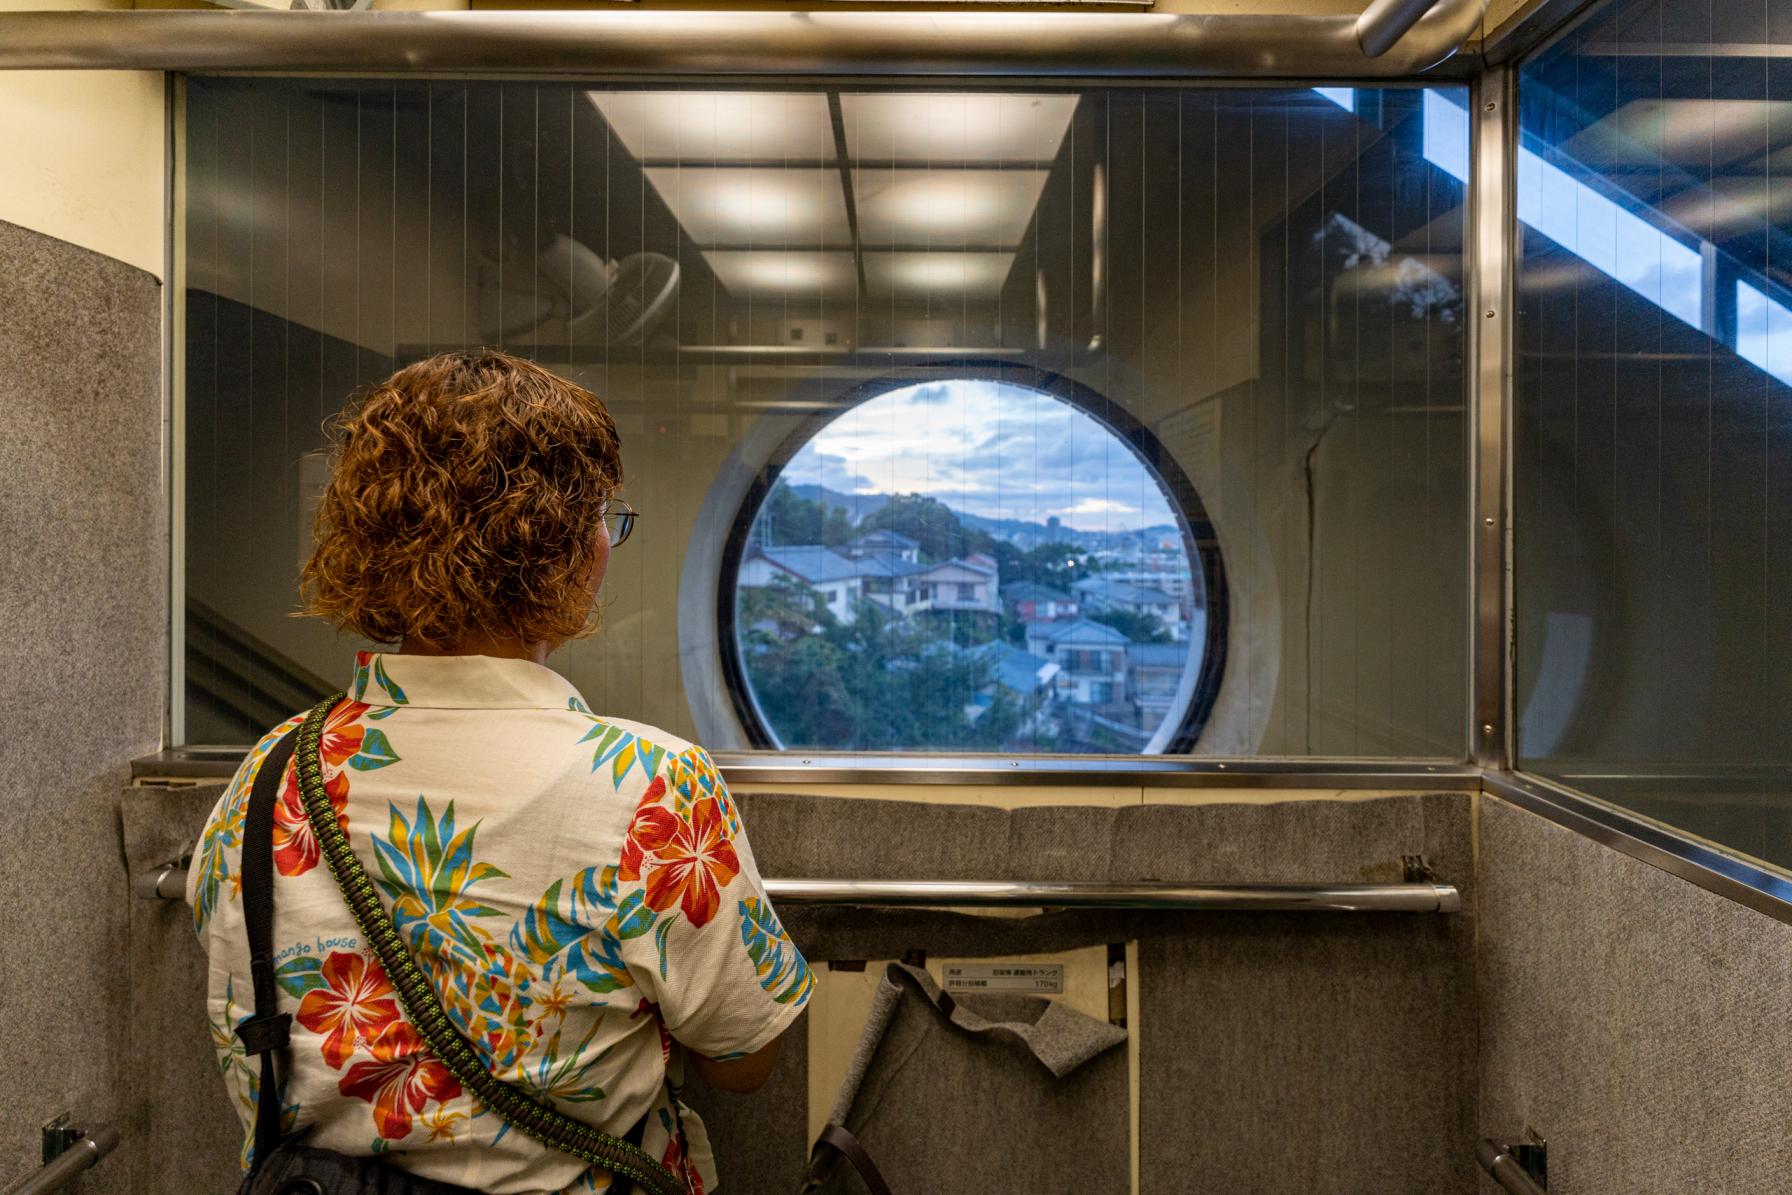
(400, 1080)
(355, 1004)
(677, 1156)
(343, 734)
(685, 860)
(295, 844)
(345, 745)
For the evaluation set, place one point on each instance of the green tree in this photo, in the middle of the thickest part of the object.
(789, 518)
(786, 607)
(878, 682)
(931, 523)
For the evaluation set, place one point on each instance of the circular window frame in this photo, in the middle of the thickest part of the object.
(1198, 691)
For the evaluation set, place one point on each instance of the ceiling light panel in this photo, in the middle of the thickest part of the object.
(945, 207)
(924, 127)
(702, 127)
(742, 205)
(937, 277)
(778, 275)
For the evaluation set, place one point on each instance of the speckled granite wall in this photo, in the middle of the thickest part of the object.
(1642, 1025)
(190, 1133)
(82, 672)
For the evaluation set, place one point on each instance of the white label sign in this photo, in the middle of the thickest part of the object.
(1037, 978)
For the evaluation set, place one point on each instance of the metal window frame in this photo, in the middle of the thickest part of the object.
(1135, 48)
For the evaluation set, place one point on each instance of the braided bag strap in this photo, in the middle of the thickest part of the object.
(423, 1008)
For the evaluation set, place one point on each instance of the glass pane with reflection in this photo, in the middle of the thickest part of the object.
(1028, 420)
(1654, 417)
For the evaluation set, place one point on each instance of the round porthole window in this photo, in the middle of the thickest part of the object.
(973, 564)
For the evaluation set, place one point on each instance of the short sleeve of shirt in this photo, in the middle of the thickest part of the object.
(704, 937)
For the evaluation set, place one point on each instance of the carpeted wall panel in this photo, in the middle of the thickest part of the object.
(1643, 1026)
(1314, 1053)
(83, 656)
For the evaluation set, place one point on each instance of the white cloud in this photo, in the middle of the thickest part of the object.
(986, 448)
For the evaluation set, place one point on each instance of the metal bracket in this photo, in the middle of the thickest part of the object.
(60, 1136)
(1532, 1154)
(1415, 870)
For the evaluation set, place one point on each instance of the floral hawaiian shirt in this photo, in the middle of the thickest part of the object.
(579, 889)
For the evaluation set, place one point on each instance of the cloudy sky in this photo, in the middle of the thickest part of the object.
(986, 448)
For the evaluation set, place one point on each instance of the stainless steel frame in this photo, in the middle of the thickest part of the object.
(1531, 27)
(61, 1171)
(1490, 399)
(1128, 45)
(169, 881)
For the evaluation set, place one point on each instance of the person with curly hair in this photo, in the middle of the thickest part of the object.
(577, 887)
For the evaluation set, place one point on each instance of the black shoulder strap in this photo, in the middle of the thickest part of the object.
(266, 1031)
(841, 1140)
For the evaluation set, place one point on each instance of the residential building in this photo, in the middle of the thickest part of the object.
(958, 586)
(1029, 677)
(887, 577)
(841, 582)
(884, 543)
(1153, 677)
(1091, 658)
(1102, 592)
(1032, 602)
(1168, 573)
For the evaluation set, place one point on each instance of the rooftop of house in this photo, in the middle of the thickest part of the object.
(1078, 632)
(1015, 668)
(812, 562)
(883, 540)
(1123, 591)
(1032, 591)
(1157, 655)
(970, 564)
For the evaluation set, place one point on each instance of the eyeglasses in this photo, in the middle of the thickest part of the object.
(619, 518)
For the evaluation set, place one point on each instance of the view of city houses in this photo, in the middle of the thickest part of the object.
(968, 565)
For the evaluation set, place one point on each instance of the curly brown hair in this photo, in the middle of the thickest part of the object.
(466, 496)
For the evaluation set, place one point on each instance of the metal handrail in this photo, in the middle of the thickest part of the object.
(169, 881)
(61, 1170)
(1175, 45)
(1284, 898)
(1497, 1159)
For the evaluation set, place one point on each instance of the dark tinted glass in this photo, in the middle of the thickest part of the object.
(1654, 418)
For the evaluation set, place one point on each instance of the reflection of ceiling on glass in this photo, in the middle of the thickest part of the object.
(945, 276)
(955, 128)
(776, 274)
(921, 194)
(945, 208)
(762, 206)
(719, 126)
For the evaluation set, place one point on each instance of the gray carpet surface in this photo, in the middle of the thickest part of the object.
(1643, 1026)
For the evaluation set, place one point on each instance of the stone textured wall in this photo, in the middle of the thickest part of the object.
(82, 672)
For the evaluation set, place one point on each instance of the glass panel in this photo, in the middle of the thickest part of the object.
(1654, 419)
(1034, 420)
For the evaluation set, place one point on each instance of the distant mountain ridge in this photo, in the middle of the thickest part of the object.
(858, 506)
